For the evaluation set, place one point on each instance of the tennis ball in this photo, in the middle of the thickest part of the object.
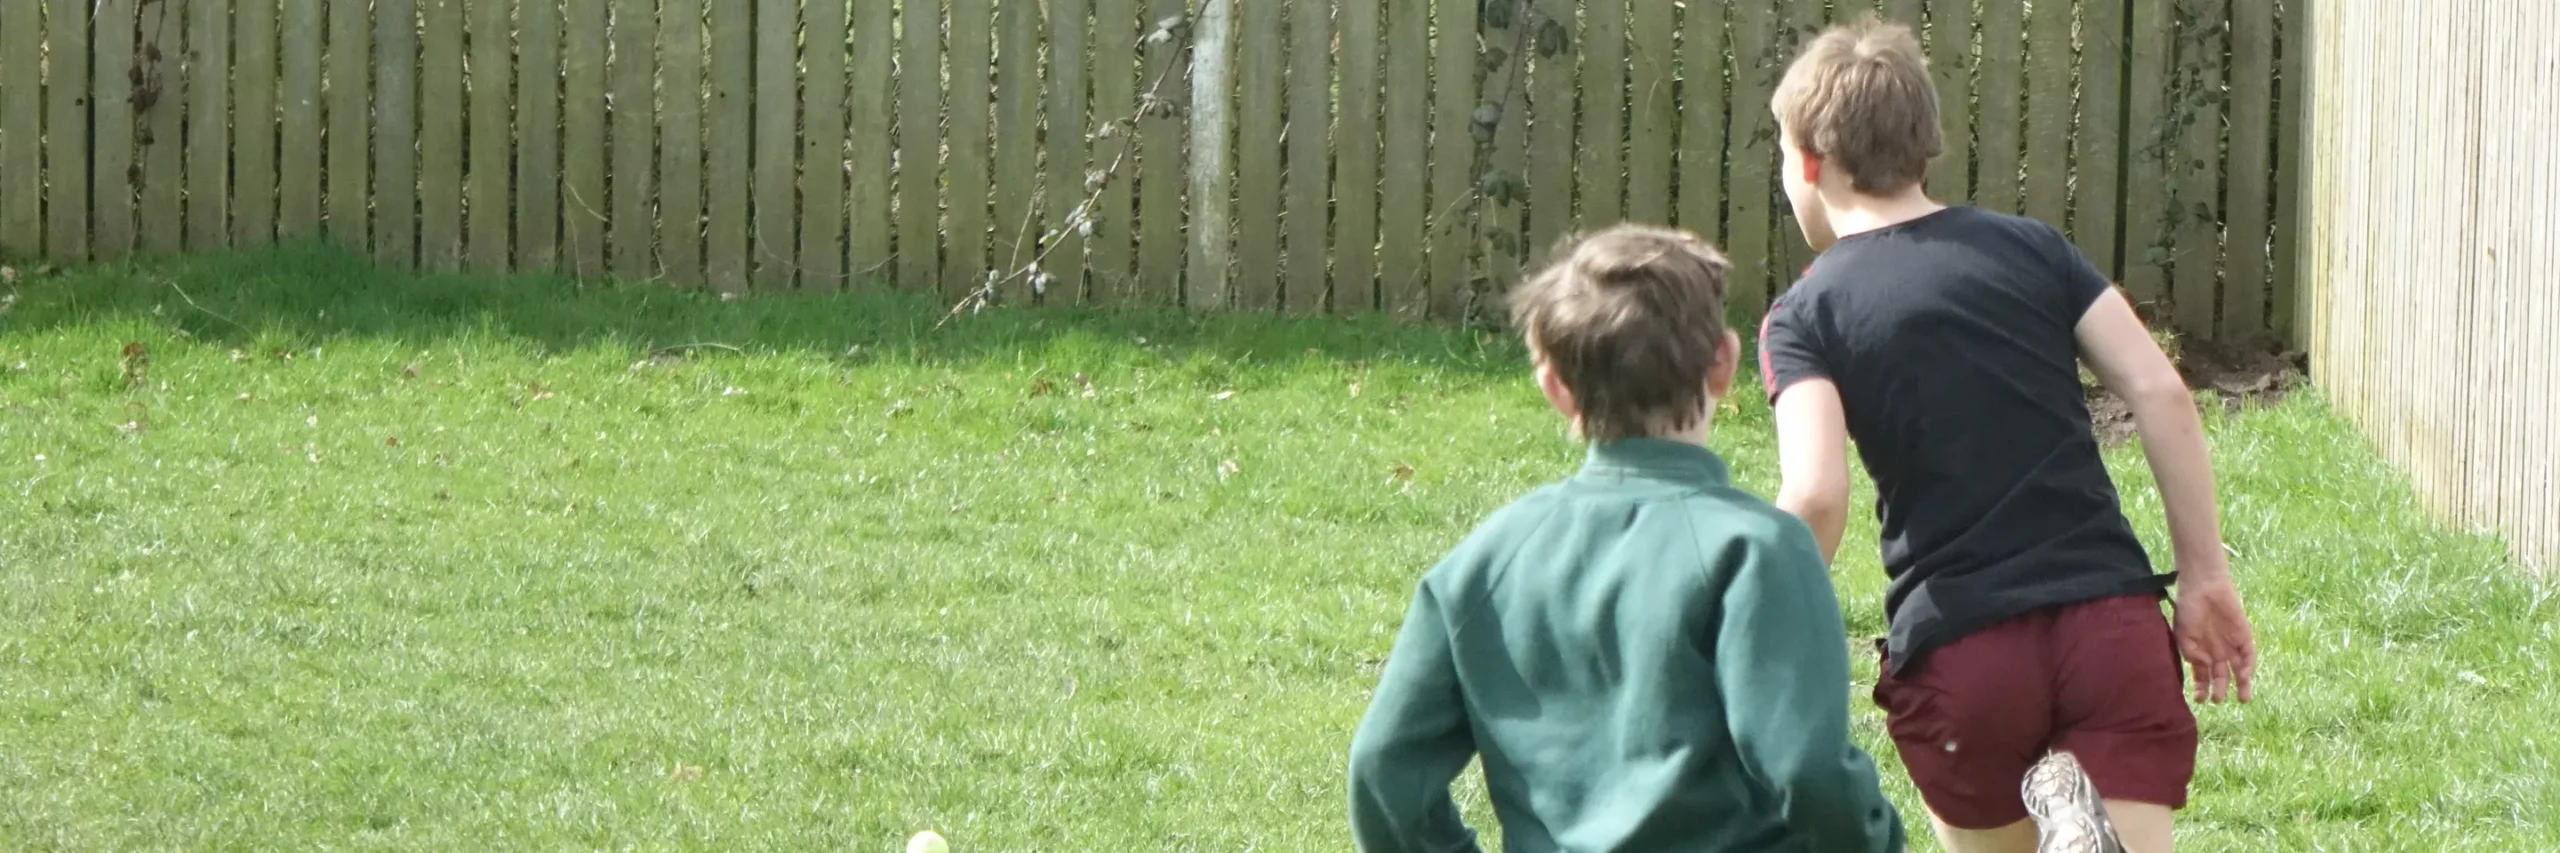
(928, 841)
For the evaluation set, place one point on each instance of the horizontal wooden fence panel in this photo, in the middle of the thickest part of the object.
(1413, 158)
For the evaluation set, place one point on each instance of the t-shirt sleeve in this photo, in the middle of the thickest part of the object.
(1790, 345)
(2082, 281)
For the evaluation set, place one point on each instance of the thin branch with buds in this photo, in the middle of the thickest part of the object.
(1151, 104)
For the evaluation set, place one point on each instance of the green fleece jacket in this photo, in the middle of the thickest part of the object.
(1646, 658)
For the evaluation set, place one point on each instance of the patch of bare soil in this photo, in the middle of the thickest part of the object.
(2238, 376)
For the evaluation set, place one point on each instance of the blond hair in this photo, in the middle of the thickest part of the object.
(1859, 97)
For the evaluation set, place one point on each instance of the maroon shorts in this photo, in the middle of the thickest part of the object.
(2099, 679)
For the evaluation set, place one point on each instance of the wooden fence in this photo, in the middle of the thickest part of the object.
(2433, 234)
(1342, 155)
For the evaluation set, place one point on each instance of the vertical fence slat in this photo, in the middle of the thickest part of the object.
(920, 111)
(2291, 103)
(1995, 181)
(2244, 309)
(253, 126)
(2199, 254)
(777, 144)
(1403, 198)
(66, 131)
(1355, 231)
(492, 136)
(1258, 81)
(1603, 179)
(1454, 100)
(440, 135)
(1951, 67)
(164, 130)
(635, 143)
(582, 151)
(298, 203)
(680, 151)
(2150, 146)
(822, 152)
(1068, 162)
(538, 136)
(2098, 149)
(1160, 213)
(1115, 91)
(964, 266)
(872, 46)
(395, 134)
(209, 126)
(1017, 230)
(1501, 228)
(2049, 112)
(350, 123)
(1702, 121)
(732, 117)
(1754, 146)
(1309, 130)
(1208, 265)
(112, 170)
(1553, 92)
(1652, 114)
(21, 129)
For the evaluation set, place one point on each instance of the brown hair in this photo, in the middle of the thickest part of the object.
(1859, 97)
(1630, 318)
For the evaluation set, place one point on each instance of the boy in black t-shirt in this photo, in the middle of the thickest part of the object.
(2024, 615)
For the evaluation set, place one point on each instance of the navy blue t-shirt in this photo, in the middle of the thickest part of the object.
(1952, 340)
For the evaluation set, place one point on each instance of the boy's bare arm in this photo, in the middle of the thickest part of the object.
(2213, 630)
(1813, 460)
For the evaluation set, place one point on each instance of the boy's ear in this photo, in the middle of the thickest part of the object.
(1728, 361)
(1558, 395)
(1812, 166)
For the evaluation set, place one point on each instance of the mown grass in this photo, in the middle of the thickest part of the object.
(363, 559)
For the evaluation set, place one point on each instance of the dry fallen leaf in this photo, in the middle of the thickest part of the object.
(1226, 469)
(1400, 473)
(1223, 395)
(136, 363)
(1355, 388)
(686, 772)
(393, 441)
(409, 371)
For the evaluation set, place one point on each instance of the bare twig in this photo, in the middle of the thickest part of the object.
(191, 303)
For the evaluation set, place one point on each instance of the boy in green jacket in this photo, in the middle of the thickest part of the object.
(1645, 656)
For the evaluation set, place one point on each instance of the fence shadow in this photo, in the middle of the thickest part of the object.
(312, 293)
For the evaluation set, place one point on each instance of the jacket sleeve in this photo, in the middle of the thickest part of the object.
(1412, 744)
(1782, 665)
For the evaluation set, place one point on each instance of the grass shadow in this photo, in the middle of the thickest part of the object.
(310, 293)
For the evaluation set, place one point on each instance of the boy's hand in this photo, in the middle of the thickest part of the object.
(2213, 635)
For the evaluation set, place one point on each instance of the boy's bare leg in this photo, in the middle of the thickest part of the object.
(2018, 837)
(2144, 827)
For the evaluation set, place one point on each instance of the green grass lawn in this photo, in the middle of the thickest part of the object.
(361, 559)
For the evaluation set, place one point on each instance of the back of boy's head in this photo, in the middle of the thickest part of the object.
(1630, 319)
(1859, 97)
